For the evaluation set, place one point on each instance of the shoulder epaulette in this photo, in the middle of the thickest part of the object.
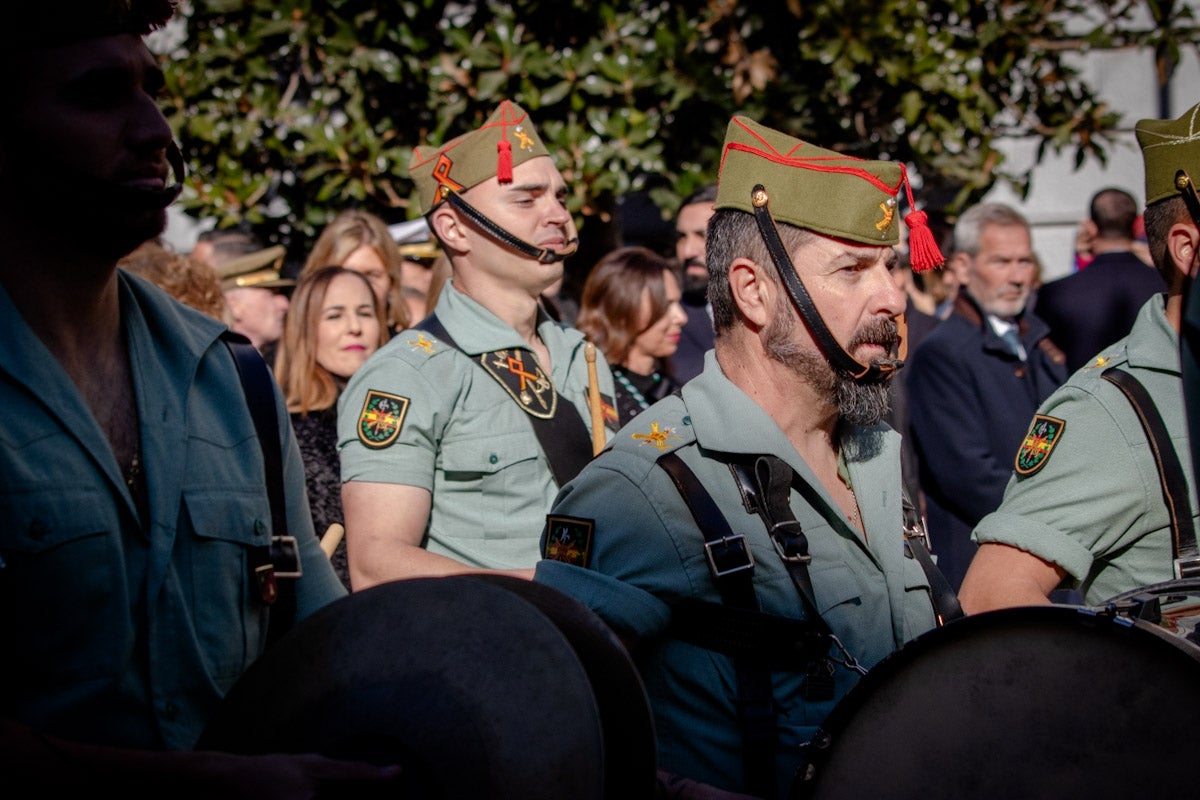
(655, 433)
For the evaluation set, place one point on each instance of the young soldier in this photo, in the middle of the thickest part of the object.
(1085, 507)
(455, 437)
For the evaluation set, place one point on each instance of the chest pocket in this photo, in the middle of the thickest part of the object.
(224, 525)
(503, 468)
(71, 539)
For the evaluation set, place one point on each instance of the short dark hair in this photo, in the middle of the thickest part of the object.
(705, 194)
(1113, 212)
(734, 234)
(1159, 217)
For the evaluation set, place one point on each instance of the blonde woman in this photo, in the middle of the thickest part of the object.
(334, 325)
(359, 241)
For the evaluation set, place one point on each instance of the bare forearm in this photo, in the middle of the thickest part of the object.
(1001, 577)
(398, 562)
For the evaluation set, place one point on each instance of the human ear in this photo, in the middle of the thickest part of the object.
(752, 292)
(449, 229)
(1183, 242)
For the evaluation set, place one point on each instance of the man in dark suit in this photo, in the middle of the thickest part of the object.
(1094, 307)
(691, 232)
(976, 380)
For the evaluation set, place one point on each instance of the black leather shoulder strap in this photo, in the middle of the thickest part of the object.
(563, 436)
(278, 559)
(732, 567)
(1170, 471)
(946, 607)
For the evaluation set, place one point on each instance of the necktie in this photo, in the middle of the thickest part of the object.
(1014, 342)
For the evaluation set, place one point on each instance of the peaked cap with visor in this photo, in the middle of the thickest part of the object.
(506, 140)
(779, 177)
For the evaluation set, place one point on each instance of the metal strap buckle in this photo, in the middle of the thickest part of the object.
(1187, 567)
(794, 534)
(285, 556)
(728, 555)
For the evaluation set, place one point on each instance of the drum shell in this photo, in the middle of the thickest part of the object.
(479, 687)
(1029, 702)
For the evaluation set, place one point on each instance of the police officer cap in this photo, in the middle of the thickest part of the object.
(32, 24)
(810, 187)
(1169, 145)
(260, 269)
(507, 139)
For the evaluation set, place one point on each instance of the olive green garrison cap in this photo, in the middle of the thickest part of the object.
(507, 139)
(810, 187)
(1169, 145)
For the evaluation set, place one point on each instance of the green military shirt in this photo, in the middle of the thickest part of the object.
(120, 630)
(647, 553)
(1091, 501)
(463, 436)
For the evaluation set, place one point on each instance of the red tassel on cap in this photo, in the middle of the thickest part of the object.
(923, 252)
(504, 161)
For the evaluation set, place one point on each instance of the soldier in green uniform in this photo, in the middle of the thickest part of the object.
(1085, 507)
(455, 437)
(745, 537)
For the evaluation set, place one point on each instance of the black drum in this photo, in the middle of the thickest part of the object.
(1045, 702)
(479, 686)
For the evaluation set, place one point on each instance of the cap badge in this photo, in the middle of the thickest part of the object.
(888, 207)
(524, 141)
(441, 174)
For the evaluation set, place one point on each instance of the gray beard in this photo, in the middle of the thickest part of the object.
(857, 403)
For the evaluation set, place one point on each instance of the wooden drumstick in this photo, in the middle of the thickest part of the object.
(331, 539)
(594, 405)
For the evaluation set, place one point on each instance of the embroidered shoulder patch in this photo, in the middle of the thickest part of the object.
(1044, 433)
(569, 539)
(381, 418)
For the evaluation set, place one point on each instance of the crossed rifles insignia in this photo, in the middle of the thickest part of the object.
(532, 389)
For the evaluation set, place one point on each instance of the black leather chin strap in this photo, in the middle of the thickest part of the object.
(543, 255)
(837, 357)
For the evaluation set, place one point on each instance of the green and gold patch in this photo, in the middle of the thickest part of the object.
(569, 539)
(381, 418)
(1044, 433)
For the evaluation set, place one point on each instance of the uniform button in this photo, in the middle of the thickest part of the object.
(171, 711)
(37, 530)
(260, 528)
(687, 420)
(493, 458)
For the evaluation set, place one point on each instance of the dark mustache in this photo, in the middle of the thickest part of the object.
(884, 333)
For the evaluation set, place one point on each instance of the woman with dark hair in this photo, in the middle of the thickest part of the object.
(334, 324)
(630, 310)
(359, 241)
